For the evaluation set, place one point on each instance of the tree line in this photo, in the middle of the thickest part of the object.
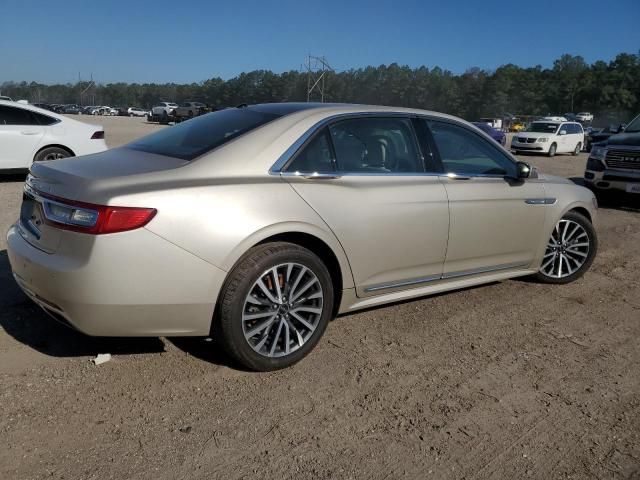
(608, 89)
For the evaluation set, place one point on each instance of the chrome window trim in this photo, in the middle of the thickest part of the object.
(287, 155)
(445, 276)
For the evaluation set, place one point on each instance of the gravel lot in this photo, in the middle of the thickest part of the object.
(510, 380)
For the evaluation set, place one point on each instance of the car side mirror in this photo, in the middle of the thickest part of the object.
(621, 127)
(524, 169)
(563, 132)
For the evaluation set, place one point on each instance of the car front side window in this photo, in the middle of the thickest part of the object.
(464, 152)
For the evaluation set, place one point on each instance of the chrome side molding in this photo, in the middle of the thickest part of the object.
(445, 276)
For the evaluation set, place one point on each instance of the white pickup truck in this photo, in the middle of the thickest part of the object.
(584, 117)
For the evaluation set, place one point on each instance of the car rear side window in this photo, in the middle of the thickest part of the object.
(465, 152)
(16, 116)
(200, 135)
(316, 157)
(382, 145)
(44, 119)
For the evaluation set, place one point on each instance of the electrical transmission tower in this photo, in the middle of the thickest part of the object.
(317, 69)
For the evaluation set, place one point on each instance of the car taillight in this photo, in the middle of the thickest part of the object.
(93, 219)
(97, 135)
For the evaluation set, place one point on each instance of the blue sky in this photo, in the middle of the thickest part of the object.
(190, 41)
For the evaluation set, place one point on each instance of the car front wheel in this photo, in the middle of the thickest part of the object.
(552, 150)
(275, 306)
(576, 151)
(570, 250)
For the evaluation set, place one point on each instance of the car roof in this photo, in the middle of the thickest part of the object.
(331, 109)
(32, 107)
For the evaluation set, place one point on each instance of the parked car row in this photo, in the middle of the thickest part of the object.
(74, 109)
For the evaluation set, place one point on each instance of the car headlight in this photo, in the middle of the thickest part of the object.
(543, 139)
(595, 165)
(598, 153)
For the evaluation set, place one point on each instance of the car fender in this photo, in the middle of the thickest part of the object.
(577, 197)
(293, 227)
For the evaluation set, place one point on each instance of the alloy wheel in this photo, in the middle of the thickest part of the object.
(567, 250)
(282, 309)
(54, 156)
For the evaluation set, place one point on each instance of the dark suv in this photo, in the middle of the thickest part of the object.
(614, 164)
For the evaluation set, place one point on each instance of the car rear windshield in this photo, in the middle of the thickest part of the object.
(543, 127)
(200, 135)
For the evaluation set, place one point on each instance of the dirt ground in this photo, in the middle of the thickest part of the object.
(507, 381)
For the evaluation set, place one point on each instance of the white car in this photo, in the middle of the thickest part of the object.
(30, 134)
(549, 137)
(137, 112)
(584, 117)
(164, 109)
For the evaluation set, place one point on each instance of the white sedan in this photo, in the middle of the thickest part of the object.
(30, 134)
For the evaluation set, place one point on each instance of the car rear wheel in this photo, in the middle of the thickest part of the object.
(570, 250)
(576, 151)
(552, 150)
(275, 306)
(51, 153)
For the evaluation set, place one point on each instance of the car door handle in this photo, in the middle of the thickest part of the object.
(321, 176)
(455, 176)
(29, 133)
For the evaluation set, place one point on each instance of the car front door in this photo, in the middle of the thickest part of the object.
(366, 178)
(565, 141)
(20, 135)
(496, 221)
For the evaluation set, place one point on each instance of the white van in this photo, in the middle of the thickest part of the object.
(549, 138)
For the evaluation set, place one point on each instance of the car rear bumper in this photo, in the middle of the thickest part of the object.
(611, 179)
(129, 284)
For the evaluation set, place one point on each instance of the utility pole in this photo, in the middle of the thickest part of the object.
(317, 69)
(91, 84)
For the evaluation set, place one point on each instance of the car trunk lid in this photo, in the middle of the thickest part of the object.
(71, 179)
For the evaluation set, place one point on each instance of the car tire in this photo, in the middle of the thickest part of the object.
(51, 153)
(571, 250)
(285, 340)
(577, 150)
(552, 150)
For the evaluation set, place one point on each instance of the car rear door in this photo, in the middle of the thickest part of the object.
(20, 135)
(495, 221)
(366, 178)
